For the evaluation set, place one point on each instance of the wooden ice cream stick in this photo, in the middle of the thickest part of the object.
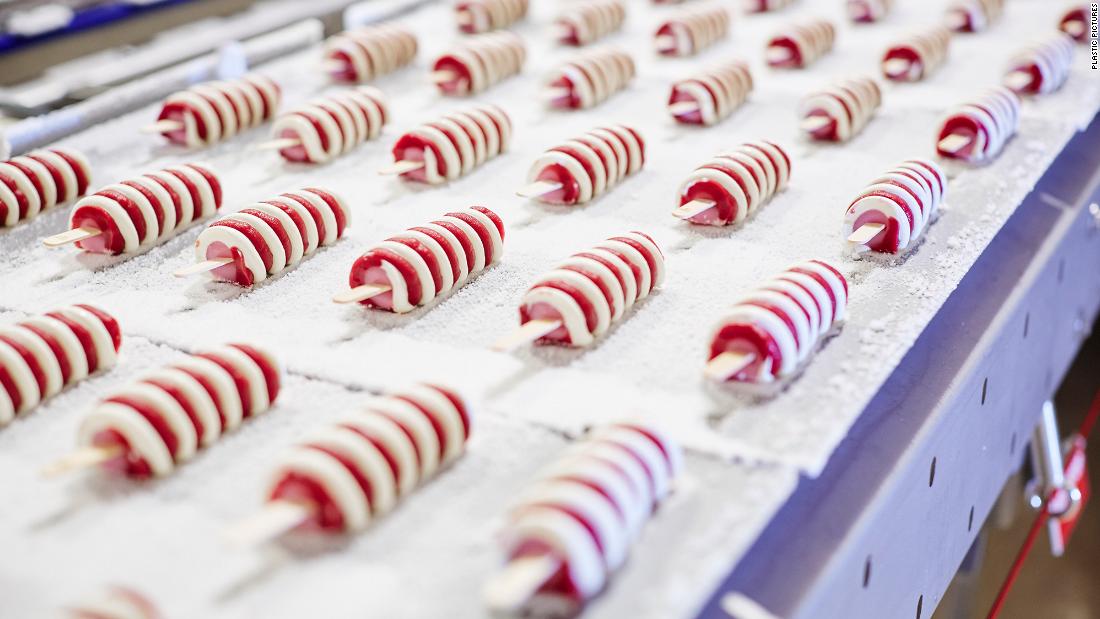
(728, 364)
(444, 75)
(278, 144)
(202, 267)
(778, 53)
(896, 67)
(511, 588)
(693, 208)
(538, 188)
(954, 143)
(274, 520)
(83, 458)
(683, 107)
(551, 94)
(163, 126)
(71, 236)
(814, 123)
(360, 293)
(529, 332)
(401, 167)
(1018, 80)
(866, 233)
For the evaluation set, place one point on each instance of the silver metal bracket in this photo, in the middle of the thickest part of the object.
(1046, 458)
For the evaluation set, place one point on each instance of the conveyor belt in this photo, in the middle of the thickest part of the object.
(431, 555)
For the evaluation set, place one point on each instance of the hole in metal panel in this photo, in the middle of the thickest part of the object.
(920, 605)
(1027, 323)
(867, 572)
(970, 520)
(932, 473)
(985, 389)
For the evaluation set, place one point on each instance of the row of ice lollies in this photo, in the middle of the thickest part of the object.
(268, 237)
(584, 23)
(476, 16)
(568, 533)
(480, 61)
(328, 126)
(575, 303)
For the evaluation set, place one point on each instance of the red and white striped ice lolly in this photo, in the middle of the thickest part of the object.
(577, 302)
(39, 181)
(215, 111)
(422, 264)
(574, 527)
(771, 333)
(137, 214)
(892, 214)
(152, 426)
(43, 354)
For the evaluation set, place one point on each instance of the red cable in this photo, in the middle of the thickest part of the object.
(1090, 419)
(1040, 520)
(1018, 563)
